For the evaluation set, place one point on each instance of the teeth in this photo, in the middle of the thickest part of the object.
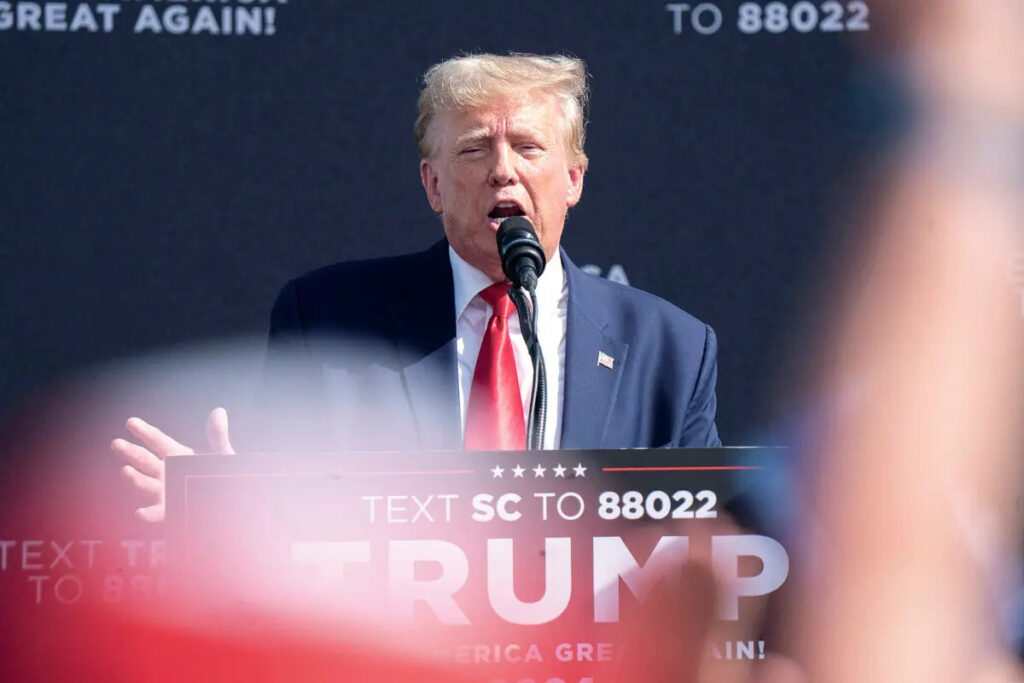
(505, 209)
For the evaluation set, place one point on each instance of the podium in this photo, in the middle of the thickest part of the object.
(547, 566)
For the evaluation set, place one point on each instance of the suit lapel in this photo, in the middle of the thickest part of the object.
(423, 318)
(591, 387)
(424, 321)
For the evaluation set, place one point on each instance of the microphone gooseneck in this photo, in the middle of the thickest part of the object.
(523, 260)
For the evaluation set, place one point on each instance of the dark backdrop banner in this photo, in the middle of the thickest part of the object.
(166, 166)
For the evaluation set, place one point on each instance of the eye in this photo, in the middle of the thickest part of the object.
(474, 150)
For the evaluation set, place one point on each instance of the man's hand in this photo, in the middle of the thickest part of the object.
(145, 468)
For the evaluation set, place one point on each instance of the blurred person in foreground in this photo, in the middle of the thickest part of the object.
(914, 478)
(918, 471)
(447, 368)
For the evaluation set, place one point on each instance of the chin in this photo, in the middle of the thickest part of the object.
(481, 254)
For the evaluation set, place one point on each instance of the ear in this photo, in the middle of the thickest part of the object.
(429, 179)
(575, 188)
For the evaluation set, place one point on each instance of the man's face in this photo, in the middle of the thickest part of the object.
(504, 159)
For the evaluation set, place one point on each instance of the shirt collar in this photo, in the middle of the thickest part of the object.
(468, 281)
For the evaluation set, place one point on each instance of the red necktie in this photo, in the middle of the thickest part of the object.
(494, 415)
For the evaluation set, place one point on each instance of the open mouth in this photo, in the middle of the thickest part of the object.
(505, 209)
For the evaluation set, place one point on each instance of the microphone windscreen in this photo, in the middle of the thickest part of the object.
(518, 247)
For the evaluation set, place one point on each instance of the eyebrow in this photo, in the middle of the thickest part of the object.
(483, 133)
(474, 135)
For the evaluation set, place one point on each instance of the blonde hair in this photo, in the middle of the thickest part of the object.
(470, 81)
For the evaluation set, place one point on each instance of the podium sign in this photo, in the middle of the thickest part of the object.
(537, 566)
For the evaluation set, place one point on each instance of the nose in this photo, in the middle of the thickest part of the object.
(503, 169)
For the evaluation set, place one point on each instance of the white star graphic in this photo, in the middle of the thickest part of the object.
(558, 470)
(517, 472)
(539, 471)
(497, 471)
(580, 470)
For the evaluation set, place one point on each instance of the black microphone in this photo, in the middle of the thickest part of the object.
(522, 258)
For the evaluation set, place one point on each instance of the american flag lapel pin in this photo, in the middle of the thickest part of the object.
(605, 361)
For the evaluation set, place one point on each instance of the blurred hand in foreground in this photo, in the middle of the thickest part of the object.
(145, 463)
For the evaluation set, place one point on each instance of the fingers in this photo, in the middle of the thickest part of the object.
(149, 485)
(152, 514)
(666, 639)
(159, 443)
(217, 432)
(145, 468)
(138, 457)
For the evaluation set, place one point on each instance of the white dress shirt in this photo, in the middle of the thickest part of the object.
(472, 315)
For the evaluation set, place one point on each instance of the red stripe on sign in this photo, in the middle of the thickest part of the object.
(681, 469)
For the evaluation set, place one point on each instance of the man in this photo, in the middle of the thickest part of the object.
(498, 136)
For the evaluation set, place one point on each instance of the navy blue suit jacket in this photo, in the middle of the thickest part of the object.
(373, 363)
